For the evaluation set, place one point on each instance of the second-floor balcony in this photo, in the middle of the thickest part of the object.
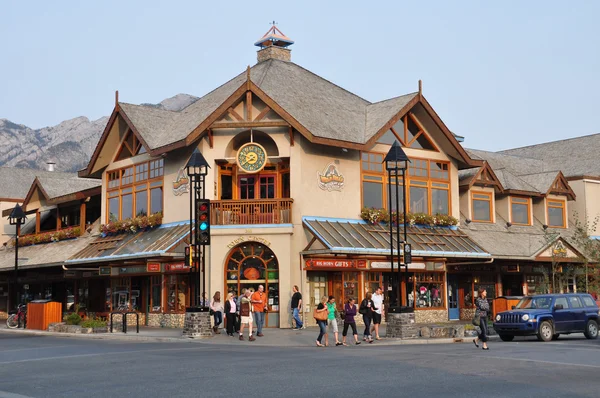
(251, 212)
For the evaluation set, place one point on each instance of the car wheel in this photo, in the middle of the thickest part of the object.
(555, 337)
(507, 337)
(545, 331)
(591, 329)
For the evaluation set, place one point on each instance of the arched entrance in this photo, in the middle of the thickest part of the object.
(251, 264)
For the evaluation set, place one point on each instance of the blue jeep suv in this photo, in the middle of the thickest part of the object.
(548, 316)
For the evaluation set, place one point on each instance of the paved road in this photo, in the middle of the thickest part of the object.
(34, 366)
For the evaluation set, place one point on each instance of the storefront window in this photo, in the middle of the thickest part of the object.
(373, 280)
(120, 294)
(351, 289)
(535, 285)
(429, 290)
(156, 293)
(177, 292)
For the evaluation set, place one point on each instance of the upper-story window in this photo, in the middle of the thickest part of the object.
(482, 205)
(135, 190)
(428, 183)
(556, 213)
(520, 210)
(130, 146)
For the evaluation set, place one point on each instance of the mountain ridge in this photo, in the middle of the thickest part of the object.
(69, 144)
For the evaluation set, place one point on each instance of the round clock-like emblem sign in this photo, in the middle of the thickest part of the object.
(251, 157)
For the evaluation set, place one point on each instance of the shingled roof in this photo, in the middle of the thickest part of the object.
(323, 108)
(575, 157)
(515, 172)
(15, 183)
(514, 242)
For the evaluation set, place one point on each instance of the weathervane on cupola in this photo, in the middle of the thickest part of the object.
(274, 45)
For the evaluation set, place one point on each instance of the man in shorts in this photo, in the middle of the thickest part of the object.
(332, 324)
(246, 314)
(378, 312)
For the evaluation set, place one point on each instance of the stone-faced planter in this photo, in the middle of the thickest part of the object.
(76, 329)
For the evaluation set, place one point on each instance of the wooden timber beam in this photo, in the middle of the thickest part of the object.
(249, 105)
(209, 133)
(262, 114)
(242, 125)
(234, 114)
(291, 131)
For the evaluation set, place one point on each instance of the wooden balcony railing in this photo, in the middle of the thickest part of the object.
(244, 212)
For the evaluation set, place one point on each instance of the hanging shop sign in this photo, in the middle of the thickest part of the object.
(104, 271)
(249, 238)
(132, 270)
(310, 264)
(330, 179)
(182, 266)
(181, 184)
(153, 267)
(387, 265)
(72, 274)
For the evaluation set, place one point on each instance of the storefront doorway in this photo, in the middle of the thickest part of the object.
(453, 309)
(249, 265)
(512, 285)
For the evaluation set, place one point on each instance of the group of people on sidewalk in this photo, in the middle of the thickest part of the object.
(248, 309)
(371, 309)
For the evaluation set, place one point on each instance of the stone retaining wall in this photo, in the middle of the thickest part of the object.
(197, 325)
(431, 316)
(466, 314)
(64, 328)
(166, 320)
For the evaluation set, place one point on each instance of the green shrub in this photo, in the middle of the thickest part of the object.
(93, 323)
(73, 319)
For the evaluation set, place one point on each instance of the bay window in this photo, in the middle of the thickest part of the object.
(135, 191)
(428, 185)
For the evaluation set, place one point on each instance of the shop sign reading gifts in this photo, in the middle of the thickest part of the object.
(310, 264)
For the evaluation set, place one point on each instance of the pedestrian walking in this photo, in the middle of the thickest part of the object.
(367, 308)
(332, 325)
(246, 315)
(297, 307)
(482, 308)
(230, 314)
(377, 311)
(321, 316)
(259, 302)
(239, 304)
(350, 312)
(216, 306)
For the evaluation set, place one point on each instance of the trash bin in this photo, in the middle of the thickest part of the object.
(41, 313)
(505, 303)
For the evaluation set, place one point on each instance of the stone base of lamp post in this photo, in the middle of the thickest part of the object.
(401, 326)
(197, 323)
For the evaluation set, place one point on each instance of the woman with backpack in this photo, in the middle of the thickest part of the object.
(366, 309)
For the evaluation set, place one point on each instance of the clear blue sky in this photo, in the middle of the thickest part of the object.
(502, 74)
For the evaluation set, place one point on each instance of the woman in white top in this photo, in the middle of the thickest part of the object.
(217, 307)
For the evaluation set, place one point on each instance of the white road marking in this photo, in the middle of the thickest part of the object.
(524, 360)
(99, 354)
(4, 394)
(37, 348)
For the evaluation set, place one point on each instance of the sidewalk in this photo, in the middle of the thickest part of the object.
(272, 338)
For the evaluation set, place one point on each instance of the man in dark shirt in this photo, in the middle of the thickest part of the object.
(297, 308)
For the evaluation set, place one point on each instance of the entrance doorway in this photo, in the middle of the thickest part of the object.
(249, 265)
(453, 308)
(512, 285)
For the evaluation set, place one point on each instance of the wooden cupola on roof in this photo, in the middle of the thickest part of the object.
(274, 45)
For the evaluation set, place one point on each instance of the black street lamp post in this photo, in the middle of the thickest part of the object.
(197, 170)
(17, 217)
(396, 163)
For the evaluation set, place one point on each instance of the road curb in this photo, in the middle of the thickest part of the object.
(210, 341)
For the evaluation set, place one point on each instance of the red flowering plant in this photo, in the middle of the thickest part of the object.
(47, 237)
(132, 225)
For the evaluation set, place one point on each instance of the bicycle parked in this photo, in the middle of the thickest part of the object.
(18, 318)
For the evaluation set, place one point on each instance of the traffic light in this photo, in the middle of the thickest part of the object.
(189, 256)
(203, 217)
(407, 254)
